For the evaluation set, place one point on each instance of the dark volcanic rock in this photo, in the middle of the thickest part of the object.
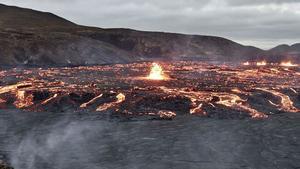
(11, 17)
(4, 165)
(55, 49)
(174, 46)
(146, 102)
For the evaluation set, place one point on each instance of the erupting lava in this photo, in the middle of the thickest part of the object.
(246, 63)
(262, 63)
(156, 72)
(288, 64)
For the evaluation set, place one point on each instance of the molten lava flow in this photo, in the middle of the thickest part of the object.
(49, 99)
(23, 99)
(84, 105)
(11, 88)
(286, 103)
(156, 72)
(235, 102)
(288, 64)
(246, 63)
(196, 87)
(293, 90)
(198, 110)
(262, 63)
(120, 98)
(168, 115)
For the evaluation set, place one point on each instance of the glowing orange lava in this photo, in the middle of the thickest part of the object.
(286, 103)
(156, 73)
(120, 98)
(23, 99)
(246, 63)
(288, 64)
(262, 63)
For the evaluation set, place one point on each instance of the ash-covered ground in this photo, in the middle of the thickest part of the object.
(199, 116)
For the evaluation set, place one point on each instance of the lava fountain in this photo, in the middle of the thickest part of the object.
(246, 63)
(156, 73)
(288, 64)
(262, 63)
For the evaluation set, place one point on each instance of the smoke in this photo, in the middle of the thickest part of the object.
(54, 141)
(64, 145)
(90, 143)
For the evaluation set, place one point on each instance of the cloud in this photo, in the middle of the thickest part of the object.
(259, 2)
(263, 23)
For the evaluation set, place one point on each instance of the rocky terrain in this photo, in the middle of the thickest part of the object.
(3, 165)
(34, 38)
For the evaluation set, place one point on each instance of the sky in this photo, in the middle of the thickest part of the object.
(261, 23)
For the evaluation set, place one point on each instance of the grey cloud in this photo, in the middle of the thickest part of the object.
(259, 2)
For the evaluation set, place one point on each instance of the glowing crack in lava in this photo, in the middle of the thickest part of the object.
(156, 73)
(288, 64)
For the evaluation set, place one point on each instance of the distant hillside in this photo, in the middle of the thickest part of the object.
(29, 37)
(293, 49)
(19, 18)
(173, 46)
(286, 51)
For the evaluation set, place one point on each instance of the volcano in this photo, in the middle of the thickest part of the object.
(73, 96)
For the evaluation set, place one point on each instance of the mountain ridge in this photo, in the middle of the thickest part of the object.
(44, 39)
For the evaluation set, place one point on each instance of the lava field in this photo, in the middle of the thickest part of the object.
(223, 91)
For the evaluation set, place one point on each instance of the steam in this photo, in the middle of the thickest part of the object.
(64, 145)
(90, 143)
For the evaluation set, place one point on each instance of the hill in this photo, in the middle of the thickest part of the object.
(29, 37)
